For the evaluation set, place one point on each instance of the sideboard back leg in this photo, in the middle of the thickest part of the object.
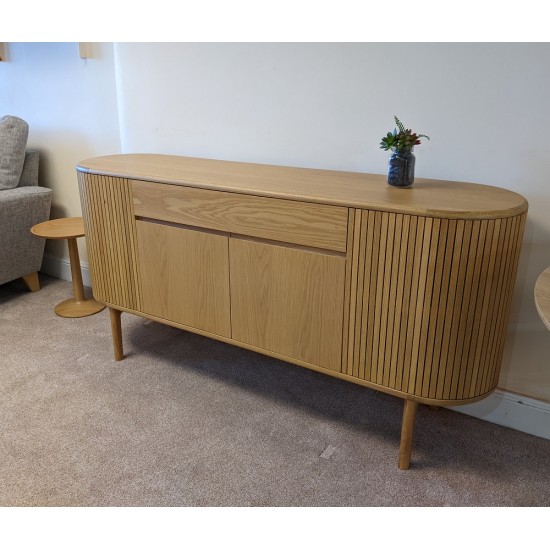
(116, 330)
(407, 432)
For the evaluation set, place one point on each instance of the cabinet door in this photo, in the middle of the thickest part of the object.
(184, 276)
(288, 300)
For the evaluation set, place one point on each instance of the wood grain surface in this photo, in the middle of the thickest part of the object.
(184, 276)
(432, 298)
(288, 301)
(61, 228)
(434, 198)
(303, 223)
(110, 225)
(542, 296)
(416, 305)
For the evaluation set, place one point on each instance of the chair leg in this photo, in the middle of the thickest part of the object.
(32, 281)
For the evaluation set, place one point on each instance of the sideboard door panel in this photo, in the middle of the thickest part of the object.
(432, 298)
(184, 276)
(109, 223)
(288, 301)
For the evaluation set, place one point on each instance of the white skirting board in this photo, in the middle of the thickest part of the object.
(60, 268)
(513, 411)
(501, 407)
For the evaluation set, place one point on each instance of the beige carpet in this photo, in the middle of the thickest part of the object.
(187, 421)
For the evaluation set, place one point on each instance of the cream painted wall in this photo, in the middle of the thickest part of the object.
(71, 107)
(315, 105)
(328, 105)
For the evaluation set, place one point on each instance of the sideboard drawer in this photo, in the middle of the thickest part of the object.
(296, 222)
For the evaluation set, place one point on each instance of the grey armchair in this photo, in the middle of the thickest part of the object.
(23, 203)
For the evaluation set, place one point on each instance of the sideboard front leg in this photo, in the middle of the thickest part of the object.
(407, 432)
(116, 330)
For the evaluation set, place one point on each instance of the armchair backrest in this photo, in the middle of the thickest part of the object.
(29, 176)
(14, 132)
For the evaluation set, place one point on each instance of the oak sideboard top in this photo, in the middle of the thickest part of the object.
(432, 198)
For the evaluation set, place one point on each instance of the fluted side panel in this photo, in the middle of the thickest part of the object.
(433, 297)
(350, 303)
(109, 223)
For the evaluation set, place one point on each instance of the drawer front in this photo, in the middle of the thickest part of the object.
(301, 223)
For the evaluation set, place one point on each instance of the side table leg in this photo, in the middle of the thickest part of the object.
(79, 305)
(116, 330)
(407, 432)
(76, 274)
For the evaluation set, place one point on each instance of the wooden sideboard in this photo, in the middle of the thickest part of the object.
(406, 291)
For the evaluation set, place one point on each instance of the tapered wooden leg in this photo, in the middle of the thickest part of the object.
(407, 432)
(76, 274)
(116, 330)
(32, 282)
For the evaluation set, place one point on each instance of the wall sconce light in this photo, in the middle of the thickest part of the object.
(84, 50)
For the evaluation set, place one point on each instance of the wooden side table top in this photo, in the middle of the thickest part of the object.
(62, 228)
(70, 229)
(542, 296)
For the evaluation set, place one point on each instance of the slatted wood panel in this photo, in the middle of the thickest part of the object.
(110, 228)
(429, 301)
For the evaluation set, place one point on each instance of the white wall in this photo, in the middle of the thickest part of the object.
(71, 107)
(315, 105)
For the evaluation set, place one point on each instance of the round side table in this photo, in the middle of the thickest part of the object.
(70, 229)
(542, 296)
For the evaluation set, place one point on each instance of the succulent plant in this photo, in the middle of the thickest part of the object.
(402, 140)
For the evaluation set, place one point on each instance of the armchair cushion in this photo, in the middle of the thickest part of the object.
(29, 176)
(13, 139)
